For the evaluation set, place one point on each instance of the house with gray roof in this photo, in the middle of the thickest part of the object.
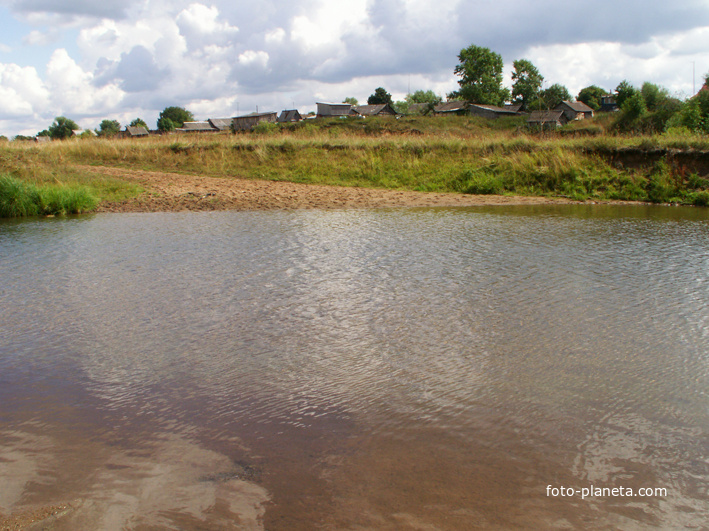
(135, 131)
(574, 110)
(382, 109)
(197, 127)
(328, 110)
(289, 115)
(547, 119)
(221, 124)
(249, 121)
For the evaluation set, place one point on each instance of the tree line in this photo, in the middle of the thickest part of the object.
(647, 109)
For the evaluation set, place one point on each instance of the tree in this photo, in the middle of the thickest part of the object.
(592, 96)
(526, 82)
(165, 124)
(550, 97)
(379, 97)
(138, 122)
(108, 128)
(177, 115)
(480, 72)
(653, 95)
(421, 96)
(624, 91)
(62, 128)
(350, 100)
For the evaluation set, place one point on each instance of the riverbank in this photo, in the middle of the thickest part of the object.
(166, 192)
(454, 161)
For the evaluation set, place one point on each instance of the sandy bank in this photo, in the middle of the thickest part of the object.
(166, 192)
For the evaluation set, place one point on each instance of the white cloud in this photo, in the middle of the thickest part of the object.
(253, 58)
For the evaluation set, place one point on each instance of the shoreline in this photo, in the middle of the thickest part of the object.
(174, 192)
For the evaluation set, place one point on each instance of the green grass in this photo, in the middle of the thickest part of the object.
(22, 199)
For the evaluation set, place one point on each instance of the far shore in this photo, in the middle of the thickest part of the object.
(173, 192)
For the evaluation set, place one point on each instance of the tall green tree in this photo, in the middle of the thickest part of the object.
(592, 96)
(526, 82)
(380, 96)
(177, 115)
(62, 128)
(165, 124)
(653, 95)
(351, 100)
(550, 97)
(480, 72)
(624, 91)
(423, 96)
(108, 128)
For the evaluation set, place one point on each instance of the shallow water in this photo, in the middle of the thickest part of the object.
(383, 369)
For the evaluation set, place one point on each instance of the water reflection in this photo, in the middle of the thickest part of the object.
(575, 337)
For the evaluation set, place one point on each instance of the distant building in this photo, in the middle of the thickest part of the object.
(382, 109)
(608, 104)
(290, 115)
(249, 121)
(42, 139)
(574, 110)
(547, 119)
(451, 107)
(197, 127)
(221, 124)
(490, 111)
(135, 131)
(328, 110)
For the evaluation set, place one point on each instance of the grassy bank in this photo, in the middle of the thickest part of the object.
(22, 199)
(451, 154)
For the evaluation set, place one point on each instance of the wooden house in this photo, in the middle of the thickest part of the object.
(491, 112)
(197, 127)
(328, 110)
(451, 107)
(547, 119)
(249, 121)
(290, 115)
(221, 124)
(383, 109)
(135, 131)
(574, 110)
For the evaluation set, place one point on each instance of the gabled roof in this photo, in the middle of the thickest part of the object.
(188, 127)
(374, 110)
(334, 109)
(577, 106)
(545, 116)
(493, 108)
(514, 107)
(223, 124)
(290, 115)
(137, 130)
(451, 106)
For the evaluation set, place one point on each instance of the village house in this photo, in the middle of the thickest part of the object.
(197, 127)
(490, 111)
(329, 110)
(249, 121)
(221, 124)
(574, 110)
(448, 108)
(135, 131)
(289, 115)
(383, 109)
(547, 119)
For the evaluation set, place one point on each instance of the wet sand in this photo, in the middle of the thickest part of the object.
(170, 192)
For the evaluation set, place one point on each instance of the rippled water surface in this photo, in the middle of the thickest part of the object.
(384, 369)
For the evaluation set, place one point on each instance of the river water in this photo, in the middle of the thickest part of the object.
(386, 369)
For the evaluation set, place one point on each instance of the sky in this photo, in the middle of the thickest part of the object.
(92, 60)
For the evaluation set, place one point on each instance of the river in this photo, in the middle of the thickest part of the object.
(387, 369)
